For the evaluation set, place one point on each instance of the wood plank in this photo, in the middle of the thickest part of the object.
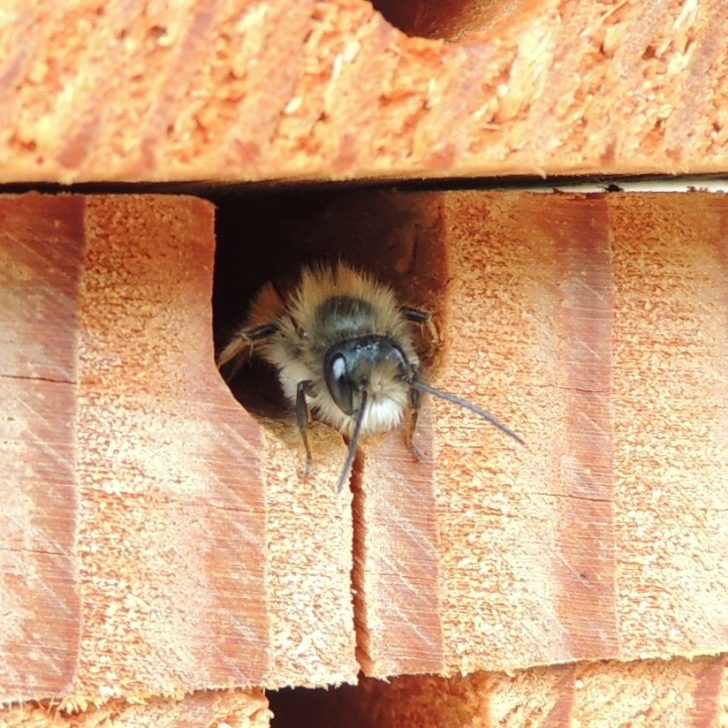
(244, 708)
(671, 423)
(604, 537)
(151, 544)
(40, 264)
(527, 531)
(675, 693)
(488, 555)
(171, 537)
(262, 90)
(591, 324)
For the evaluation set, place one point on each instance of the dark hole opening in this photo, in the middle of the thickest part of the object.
(450, 20)
(342, 707)
(264, 237)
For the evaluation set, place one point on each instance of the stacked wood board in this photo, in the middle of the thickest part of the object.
(161, 557)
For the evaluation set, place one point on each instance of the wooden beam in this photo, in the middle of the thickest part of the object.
(260, 90)
(39, 599)
(595, 326)
(189, 553)
(675, 692)
(145, 549)
(244, 708)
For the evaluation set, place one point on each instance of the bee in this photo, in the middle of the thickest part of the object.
(343, 347)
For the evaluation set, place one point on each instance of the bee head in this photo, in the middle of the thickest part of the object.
(364, 364)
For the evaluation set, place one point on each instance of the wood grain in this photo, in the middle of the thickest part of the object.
(40, 266)
(256, 90)
(150, 545)
(243, 708)
(171, 536)
(676, 693)
(488, 555)
(189, 553)
(607, 317)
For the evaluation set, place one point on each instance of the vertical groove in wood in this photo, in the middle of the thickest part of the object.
(399, 557)
(580, 232)
(396, 542)
(171, 540)
(41, 245)
(360, 596)
(708, 703)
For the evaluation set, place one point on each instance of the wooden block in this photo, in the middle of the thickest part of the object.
(150, 544)
(183, 550)
(176, 512)
(674, 693)
(596, 327)
(39, 590)
(331, 90)
(244, 708)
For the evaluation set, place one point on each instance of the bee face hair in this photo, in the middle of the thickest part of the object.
(332, 335)
(373, 363)
(343, 347)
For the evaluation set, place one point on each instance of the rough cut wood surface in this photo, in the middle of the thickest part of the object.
(238, 708)
(329, 89)
(156, 538)
(598, 327)
(39, 596)
(677, 693)
(142, 550)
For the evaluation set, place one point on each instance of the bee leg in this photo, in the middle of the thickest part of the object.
(256, 334)
(425, 320)
(234, 354)
(414, 413)
(302, 416)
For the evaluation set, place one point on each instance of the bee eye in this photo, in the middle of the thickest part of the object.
(338, 383)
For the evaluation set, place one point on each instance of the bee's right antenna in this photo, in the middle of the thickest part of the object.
(417, 384)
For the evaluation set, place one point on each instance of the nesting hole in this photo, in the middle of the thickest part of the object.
(450, 20)
(264, 237)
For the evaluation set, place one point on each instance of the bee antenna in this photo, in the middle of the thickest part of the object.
(353, 443)
(417, 384)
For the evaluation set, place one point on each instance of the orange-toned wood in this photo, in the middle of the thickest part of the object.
(244, 708)
(676, 693)
(169, 472)
(149, 544)
(39, 592)
(542, 554)
(594, 325)
(261, 89)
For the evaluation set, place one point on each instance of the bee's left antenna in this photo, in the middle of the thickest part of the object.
(417, 384)
(353, 443)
